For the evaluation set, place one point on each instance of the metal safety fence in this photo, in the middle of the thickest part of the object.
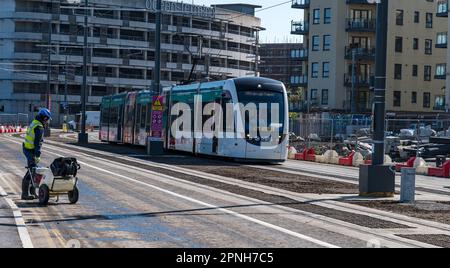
(14, 120)
(346, 134)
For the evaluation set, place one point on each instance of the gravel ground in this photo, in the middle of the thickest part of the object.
(433, 239)
(427, 210)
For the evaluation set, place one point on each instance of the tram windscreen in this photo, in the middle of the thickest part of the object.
(266, 102)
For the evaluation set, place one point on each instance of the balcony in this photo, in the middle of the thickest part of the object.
(300, 4)
(360, 80)
(300, 27)
(358, 2)
(441, 45)
(361, 53)
(299, 81)
(361, 25)
(442, 10)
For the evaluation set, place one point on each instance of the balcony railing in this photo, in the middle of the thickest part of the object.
(360, 80)
(301, 4)
(358, 2)
(300, 27)
(361, 25)
(360, 53)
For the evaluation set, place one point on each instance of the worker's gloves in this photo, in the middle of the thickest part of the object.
(37, 160)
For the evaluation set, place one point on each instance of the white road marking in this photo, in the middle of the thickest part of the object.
(20, 223)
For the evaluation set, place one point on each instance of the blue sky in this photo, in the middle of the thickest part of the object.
(276, 20)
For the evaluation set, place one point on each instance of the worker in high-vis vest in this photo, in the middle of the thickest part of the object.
(32, 146)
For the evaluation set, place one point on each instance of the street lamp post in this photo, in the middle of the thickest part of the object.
(378, 179)
(83, 137)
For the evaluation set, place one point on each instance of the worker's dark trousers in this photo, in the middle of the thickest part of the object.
(31, 163)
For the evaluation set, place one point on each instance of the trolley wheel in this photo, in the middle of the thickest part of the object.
(44, 195)
(73, 195)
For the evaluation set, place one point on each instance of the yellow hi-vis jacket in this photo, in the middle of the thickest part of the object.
(31, 134)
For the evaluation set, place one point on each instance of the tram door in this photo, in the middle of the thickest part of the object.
(129, 118)
(142, 126)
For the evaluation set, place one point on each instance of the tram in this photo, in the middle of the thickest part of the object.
(252, 123)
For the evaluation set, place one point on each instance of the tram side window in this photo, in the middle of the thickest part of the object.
(105, 115)
(143, 112)
(114, 115)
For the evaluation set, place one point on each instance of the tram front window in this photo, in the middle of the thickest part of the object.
(266, 103)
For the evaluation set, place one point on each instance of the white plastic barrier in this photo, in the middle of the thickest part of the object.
(388, 159)
(422, 170)
(333, 157)
(420, 162)
(358, 160)
(292, 152)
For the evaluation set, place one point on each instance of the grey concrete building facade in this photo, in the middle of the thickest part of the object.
(222, 39)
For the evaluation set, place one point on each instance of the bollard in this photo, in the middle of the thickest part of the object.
(408, 185)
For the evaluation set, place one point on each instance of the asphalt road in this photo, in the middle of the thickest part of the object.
(123, 205)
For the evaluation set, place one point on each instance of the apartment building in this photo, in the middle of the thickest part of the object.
(285, 62)
(41, 35)
(341, 38)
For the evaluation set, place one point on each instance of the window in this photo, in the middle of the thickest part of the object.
(324, 96)
(416, 17)
(326, 42)
(327, 16)
(414, 97)
(426, 100)
(316, 16)
(315, 43)
(427, 73)
(398, 72)
(416, 43)
(415, 70)
(397, 98)
(398, 44)
(429, 21)
(315, 70)
(314, 96)
(428, 46)
(441, 70)
(326, 70)
(441, 39)
(399, 17)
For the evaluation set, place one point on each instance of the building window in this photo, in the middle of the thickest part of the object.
(398, 72)
(326, 42)
(397, 98)
(313, 97)
(415, 70)
(416, 43)
(327, 16)
(326, 70)
(398, 44)
(428, 46)
(399, 17)
(414, 97)
(426, 100)
(314, 70)
(315, 43)
(441, 70)
(429, 21)
(427, 73)
(416, 17)
(316, 16)
(441, 39)
(324, 96)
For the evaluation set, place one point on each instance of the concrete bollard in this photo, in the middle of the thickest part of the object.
(408, 185)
